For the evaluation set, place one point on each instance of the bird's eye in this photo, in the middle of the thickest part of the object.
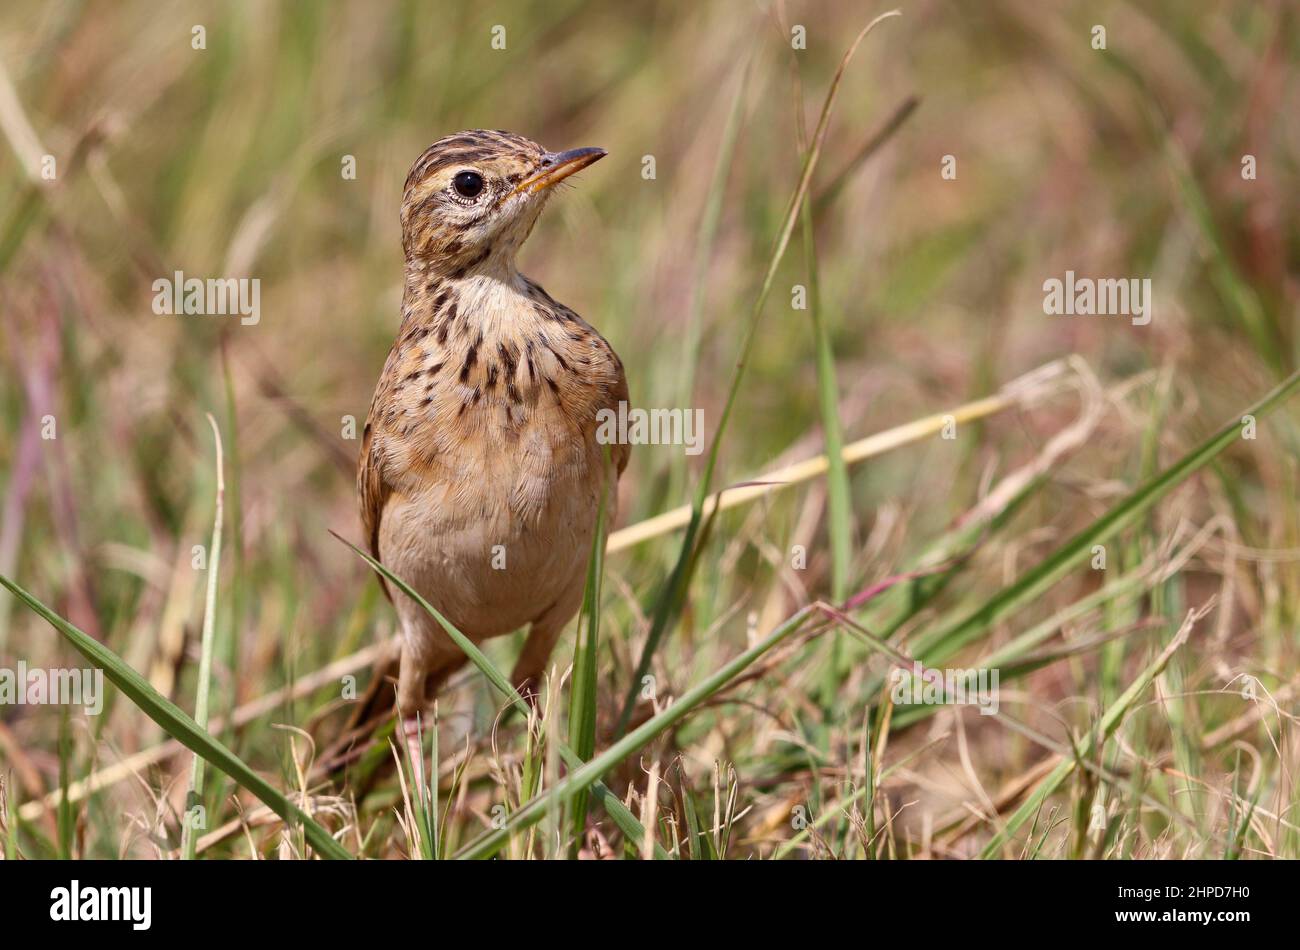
(468, 184)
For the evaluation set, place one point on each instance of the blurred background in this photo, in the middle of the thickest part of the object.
(228, 161)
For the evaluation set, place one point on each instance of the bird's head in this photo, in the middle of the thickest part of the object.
(472, 198)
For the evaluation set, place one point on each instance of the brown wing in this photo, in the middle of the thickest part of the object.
(373, 490)
(611, 388)
(620, 451)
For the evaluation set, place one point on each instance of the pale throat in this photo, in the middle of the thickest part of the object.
(495, 301)
(489, 304)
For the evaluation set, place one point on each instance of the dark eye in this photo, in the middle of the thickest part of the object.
(467, 184)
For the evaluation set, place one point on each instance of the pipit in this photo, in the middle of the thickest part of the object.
(480, 472)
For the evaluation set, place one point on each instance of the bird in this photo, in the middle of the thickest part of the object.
(480, 473)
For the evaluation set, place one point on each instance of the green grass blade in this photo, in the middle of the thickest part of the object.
(697, 841)
(582, 691)
(839, 514)
(1237, 831)
(25, 212)
(422, 787)
(431, 821)
(178, 725)
(705, 240)
(189, 839)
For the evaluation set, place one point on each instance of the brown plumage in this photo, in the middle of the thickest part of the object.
(480, 472)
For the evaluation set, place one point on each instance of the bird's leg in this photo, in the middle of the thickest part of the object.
(426, 665)
(411, 676)
(527, 675)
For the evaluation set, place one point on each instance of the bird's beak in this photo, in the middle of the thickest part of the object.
(557, 166)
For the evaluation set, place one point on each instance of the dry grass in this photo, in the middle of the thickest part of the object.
(1119, 163)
